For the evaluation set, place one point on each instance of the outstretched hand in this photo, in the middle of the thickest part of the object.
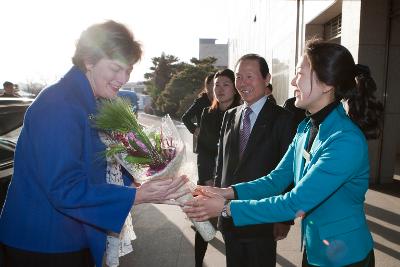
(204, 206)
(158, 191)
(226, 193)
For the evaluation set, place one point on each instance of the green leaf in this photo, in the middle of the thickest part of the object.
(157, 140)
(116, 115)
(137, 160)
(115, 149)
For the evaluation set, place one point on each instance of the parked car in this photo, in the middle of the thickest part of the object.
(12, 111)
(131, 96)
(144, 101)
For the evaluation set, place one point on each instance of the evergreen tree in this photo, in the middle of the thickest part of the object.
(184, 86)
(164, 67)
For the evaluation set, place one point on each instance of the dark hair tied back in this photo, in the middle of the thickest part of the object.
(364, 108)
(365, 84)
(362, 70)
(334, 65)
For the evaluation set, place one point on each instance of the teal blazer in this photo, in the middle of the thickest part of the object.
(329, 192)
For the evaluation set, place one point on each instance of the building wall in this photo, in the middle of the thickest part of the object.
(138, 87)
(208, 48)
(258, 26)
(379, 47)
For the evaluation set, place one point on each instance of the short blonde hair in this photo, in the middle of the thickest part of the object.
(111, 40)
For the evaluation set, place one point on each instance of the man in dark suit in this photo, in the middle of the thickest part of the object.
(254, 138)
(268, 93)
(298, 113)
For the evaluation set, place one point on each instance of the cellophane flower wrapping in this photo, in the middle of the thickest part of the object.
(147, 153)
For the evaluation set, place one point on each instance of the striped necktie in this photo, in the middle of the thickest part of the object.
(245, 131)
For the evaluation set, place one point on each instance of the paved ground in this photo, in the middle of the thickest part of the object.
(165, 238)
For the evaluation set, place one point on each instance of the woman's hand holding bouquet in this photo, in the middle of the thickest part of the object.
(161, 191)
(151, 156)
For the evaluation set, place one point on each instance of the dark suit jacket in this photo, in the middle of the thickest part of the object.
(195, 111)
(298, 113)
(270, 137)
(207, 143)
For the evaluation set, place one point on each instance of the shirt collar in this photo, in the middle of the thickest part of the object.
(257, 106)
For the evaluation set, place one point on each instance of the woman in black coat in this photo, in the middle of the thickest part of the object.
(225, 97)
(194, 112)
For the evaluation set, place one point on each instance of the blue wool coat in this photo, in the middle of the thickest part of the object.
(58, 200)
(329, 192)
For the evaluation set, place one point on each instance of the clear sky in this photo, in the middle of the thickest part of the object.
(38, 36)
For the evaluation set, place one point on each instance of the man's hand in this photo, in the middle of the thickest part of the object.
(205, 206)
(226, 193)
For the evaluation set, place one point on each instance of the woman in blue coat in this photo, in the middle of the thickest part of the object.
(327, 160)
(59, 207)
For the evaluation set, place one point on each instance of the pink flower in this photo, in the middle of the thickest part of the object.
(132, 137)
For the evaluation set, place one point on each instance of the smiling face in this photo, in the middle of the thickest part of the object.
(249, 81)
(224, 90)
(311, 94)
(107, 76)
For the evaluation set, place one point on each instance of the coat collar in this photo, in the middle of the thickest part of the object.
(330, 122)
(326, 126)
(325, 131)
(81, 87)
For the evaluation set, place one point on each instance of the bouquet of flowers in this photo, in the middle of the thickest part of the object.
(146, 153)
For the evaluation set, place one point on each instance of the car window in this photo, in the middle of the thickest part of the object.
(13, 135)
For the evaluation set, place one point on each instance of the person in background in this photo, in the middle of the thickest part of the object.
(298, 113)
(59, 207)
(327, 160)
(132, 97)
(254, 137)
(203, 100)
(225, 97)
(9, 90)
(16, 88)
(268, 93)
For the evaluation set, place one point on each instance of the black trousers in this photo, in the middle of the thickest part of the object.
(12, 257)
(255, 252)
(369, 261)
(200, 248)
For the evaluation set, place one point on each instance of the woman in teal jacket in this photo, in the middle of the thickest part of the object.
(327, 160)
(59, 206)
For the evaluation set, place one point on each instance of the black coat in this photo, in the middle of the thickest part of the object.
(207, 143)
(270, 137)
(194, 111)
(298, 113)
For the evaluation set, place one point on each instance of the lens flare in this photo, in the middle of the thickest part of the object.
(336, 252)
